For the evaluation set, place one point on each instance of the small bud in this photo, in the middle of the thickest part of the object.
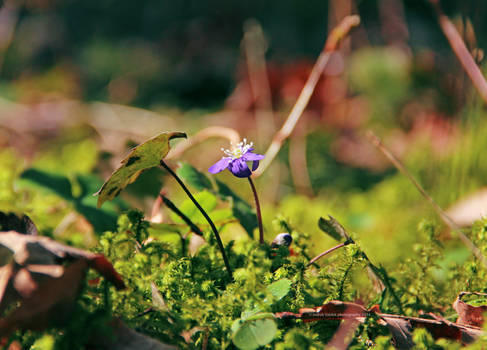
(282, 239)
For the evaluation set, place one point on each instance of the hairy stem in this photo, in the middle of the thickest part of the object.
(203, 212)
(257, 208)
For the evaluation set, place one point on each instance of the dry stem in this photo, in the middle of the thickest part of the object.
(461, 51)
(443, 215)
(337, 34)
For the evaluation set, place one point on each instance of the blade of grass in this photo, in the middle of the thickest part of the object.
(443, 215)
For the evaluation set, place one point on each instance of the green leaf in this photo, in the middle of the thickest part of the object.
(207, 201)
(161, 229)
(279, 289)
(194, 177)
(333, 228)
(56, 183)
(84, 203)
(144, 156)
(252, 334)
(221, 214)
(242, 211)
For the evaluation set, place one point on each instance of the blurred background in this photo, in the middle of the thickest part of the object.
(83, 81)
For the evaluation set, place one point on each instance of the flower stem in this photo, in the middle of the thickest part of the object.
(203, 212)
(328, 251)
(257, 208)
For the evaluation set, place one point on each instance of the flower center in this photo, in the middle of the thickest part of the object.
(238, 150)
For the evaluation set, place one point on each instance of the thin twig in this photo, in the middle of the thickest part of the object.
(443, 215)
(337, 34)
(326, 252)
(257, 209)
(461, 51)
(203, 212)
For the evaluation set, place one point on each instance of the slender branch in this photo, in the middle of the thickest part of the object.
(257, 208)
(337, 34)
(461, 51)
(442, 214)
(203, 212)
(179, 213)
(326, 252)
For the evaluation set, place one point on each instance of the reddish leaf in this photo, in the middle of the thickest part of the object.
(50, 303)
(400, 326)
(345, 333)
(44, 277)
(468, 314)
(105, 268)
(401, 331)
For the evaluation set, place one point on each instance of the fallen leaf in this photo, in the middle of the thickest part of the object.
(43, 277)
(344, 335)
(401, 331)
(401, 327)
(21, 224)
(50, 303)
(468, 314)
(144, 156)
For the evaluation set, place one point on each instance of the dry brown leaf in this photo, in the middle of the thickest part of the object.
(44, 277)
(401, 327)
(468, 314)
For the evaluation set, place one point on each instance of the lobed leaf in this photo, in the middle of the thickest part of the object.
(144, 156)
(253, 334)
(279, 289)
(84, 203)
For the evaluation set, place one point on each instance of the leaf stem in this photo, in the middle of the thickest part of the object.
(257, 208)
(203, 212)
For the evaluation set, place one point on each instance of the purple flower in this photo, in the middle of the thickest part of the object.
(236, 160)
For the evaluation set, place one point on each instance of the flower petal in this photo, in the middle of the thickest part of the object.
(239, 168)
(252, 156)
(221, 165)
